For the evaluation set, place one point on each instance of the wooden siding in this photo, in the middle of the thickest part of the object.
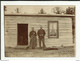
(65, 29)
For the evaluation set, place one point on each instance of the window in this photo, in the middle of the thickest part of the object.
(53, 31)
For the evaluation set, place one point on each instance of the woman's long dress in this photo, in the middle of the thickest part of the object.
(33, 39)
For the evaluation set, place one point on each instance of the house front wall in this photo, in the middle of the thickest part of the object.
(64, 24)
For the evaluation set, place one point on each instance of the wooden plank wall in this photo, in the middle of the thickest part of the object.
(65, 29)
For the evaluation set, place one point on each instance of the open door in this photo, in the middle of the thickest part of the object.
(22, 34)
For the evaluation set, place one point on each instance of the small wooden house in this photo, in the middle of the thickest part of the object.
(17, 24)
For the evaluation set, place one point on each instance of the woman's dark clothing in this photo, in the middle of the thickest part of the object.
(33, 39)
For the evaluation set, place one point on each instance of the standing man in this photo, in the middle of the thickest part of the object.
(41, 33)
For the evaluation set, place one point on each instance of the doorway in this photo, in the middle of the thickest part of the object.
(22, 34)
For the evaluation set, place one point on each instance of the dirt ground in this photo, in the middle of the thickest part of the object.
(23, 52)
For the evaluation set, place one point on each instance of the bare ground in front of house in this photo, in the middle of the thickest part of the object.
(22, 52)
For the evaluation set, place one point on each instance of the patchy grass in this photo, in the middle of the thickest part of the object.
(22, 52)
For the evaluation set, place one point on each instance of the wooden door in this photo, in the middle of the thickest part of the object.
(22, 34)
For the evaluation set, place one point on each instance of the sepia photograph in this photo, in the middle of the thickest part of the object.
(39, 31)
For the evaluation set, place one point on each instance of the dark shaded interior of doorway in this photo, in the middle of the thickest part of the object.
(22, 35)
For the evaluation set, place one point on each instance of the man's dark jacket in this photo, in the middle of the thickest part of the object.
(41, 33)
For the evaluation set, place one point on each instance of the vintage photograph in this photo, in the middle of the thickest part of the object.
(39, 30)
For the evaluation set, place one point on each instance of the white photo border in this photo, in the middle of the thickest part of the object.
(77, 5)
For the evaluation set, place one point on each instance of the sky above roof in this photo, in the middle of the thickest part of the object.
(33, 9)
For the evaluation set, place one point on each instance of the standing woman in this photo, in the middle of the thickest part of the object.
(33, 39)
